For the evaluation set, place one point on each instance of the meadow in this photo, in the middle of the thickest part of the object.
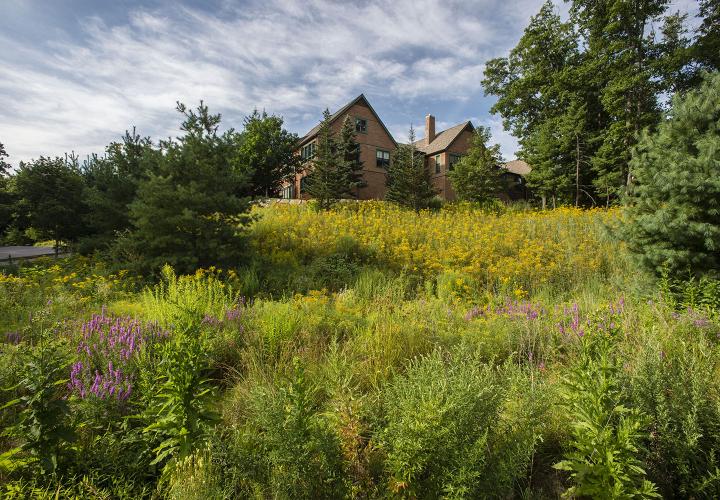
(368, 351)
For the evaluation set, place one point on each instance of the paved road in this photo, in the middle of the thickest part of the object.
(24, 252)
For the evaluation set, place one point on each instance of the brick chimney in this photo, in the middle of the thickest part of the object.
(429, 129)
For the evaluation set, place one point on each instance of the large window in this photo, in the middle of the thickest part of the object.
(453, 160)
(382, 158)
(303, 184)
(361, 125)
(288, 192)
(308, 151)
(438, 163)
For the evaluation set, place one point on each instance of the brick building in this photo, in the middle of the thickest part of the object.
(442, 150)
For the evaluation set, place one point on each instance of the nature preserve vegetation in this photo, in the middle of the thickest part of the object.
(204, 342)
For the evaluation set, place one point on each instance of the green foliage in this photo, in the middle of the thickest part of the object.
(187, 300)
(287, 448)
(188, 213)
(476, 177)
(181, 411)
(604, 457)
(267, 152)
(707, 48)
(674, 209)
(50, 198)
(675, 386)
(111, 185)
(408, 179)
(333, 172)
(445, 434)
(42, 429)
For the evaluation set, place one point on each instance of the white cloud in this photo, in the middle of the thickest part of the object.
(289, 57)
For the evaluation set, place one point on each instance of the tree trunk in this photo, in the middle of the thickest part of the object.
(543, 202)
(577, 170)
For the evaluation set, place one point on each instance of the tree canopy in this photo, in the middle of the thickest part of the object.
(408, 179)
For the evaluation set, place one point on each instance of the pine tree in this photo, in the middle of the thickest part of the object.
(111, 184)
(408, 179)
(349, 150)
(476, 177)
(330, 177)
(188, 212)
(674, 208)
(7, 199)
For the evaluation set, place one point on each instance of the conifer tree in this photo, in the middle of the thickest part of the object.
(476, 176)
(674, 208)
(188, 212)
(334, 171)
(408, 179)
(350, 152)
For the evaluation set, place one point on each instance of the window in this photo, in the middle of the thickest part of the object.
(303, 184)
(438, 164)
(382, 158)
(453, 160)
(288, 192)
(308, 151)
(361, 125)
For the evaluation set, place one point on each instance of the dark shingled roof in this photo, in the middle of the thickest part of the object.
(313, 131)
(443, 139)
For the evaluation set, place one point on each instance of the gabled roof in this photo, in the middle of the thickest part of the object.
(443, 139)
(337, 114)
(518, 167)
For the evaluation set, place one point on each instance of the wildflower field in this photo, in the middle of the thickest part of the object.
(366, 352)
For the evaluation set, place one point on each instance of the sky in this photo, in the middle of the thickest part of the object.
(75, 74)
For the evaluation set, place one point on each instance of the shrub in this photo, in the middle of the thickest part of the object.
(676, 386)
(444, 434)
(286, 447)
(187, 300)
(603, 459)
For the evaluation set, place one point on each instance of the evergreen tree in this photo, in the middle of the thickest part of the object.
(350, 152)
(268, 151)
(408, 179)
(188, 212)
(621, 57)
(49, 192)
(707, 46)
(476, 177)
(4, 165)
(674, 208)
(111, 186)
(6, 196)
(328, 179)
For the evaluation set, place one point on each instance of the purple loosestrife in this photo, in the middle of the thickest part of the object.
(106, 355)
(510, 309)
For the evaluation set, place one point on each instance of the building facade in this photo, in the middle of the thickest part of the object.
(442, 150)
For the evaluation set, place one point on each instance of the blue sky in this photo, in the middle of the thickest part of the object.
(77, 73)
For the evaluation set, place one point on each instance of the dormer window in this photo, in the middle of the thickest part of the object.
(361, 125)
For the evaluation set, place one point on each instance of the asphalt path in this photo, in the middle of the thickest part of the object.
(24, 252)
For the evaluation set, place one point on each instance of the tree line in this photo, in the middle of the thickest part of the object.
(577, 93)
(179, 201)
